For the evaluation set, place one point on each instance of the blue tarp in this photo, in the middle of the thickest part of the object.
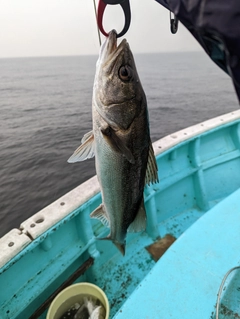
(216, 26)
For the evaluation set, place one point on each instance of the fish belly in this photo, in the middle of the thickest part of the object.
(121, 185)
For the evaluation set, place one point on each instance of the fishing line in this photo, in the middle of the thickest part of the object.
(95, 9)
(221, 289)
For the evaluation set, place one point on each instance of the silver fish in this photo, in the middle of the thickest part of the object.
(90, 303)
(82, 313)
(98, 313)
(120, 141)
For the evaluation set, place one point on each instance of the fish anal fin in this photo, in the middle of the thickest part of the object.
(117, 144)
(152, 170)
(139, 223)
(100, 214)
(85, 150)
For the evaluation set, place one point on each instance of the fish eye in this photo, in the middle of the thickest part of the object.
(125, 73)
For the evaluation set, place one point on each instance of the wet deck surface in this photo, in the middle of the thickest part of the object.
(189, 274)
(121, 275)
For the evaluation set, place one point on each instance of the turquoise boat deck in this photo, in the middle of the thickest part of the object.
(195, 201)
(185, 281)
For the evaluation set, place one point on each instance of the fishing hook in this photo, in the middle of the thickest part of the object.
(127, 13)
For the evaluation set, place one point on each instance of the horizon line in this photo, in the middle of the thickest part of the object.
(93, 54)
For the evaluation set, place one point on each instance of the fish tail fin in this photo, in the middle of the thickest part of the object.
(119, 245)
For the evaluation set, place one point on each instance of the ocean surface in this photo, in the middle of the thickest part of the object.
(45, 109)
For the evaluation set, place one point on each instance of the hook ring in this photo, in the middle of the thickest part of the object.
(127, 13)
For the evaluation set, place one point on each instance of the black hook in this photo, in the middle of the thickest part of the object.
(127, 13)
(173, 23)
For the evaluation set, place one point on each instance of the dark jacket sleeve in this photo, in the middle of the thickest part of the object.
(216, 26)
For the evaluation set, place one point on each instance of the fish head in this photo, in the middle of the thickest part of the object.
(118, 94)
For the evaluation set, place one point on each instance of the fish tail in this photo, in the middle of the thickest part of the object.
(119, 245)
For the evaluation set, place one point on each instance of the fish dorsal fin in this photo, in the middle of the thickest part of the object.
(100, 213)
(85, 150)
(139, 223)
(152, 170)
(117, 144)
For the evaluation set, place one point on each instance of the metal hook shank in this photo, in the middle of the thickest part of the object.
(127, 13)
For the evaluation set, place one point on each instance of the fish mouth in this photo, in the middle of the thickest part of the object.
(112, 40)
(110, 49)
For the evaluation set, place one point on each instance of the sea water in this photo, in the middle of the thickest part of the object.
(45, 109)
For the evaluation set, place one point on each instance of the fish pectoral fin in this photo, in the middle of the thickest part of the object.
(87, 136)
(152, 170)
(85, 150)
(100, 213)
(140, 221)
(117, 144)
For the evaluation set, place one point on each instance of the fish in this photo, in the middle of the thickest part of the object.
(82, 313)
(120, 141)
(98, 313)
(74, 312)
(91, 303)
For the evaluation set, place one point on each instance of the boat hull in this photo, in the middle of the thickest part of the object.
(198, 167)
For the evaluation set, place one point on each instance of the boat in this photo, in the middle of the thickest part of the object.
(186, 264)
(194, 208)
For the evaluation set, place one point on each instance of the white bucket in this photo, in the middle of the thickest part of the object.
(70, 295)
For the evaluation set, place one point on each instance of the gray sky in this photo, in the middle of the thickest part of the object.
(68, 27)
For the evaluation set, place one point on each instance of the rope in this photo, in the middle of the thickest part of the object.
(221, 289)
(95, 9)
